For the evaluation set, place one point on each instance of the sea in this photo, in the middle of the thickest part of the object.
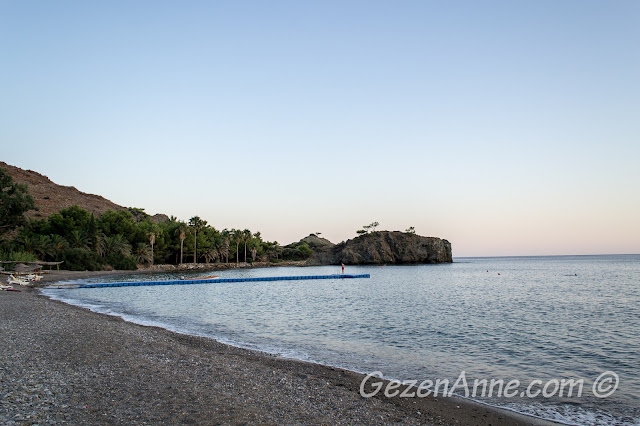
(542, 325)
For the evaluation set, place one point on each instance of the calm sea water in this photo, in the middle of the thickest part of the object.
(524, 318)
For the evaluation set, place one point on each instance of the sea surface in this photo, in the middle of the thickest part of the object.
(508, 318)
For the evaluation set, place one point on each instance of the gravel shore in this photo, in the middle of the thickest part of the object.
(64, 364)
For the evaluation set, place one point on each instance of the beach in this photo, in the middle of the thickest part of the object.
(62, 363)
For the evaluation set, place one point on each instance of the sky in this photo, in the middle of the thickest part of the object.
(507, 127)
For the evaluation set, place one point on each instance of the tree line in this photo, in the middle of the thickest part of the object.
(122, 239)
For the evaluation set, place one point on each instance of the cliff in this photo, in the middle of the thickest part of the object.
(382, 247)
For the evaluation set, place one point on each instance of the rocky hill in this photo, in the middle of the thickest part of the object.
(315, 243)
(50, 197)
(382, 247)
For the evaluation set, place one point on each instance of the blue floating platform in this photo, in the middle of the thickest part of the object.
(219, 280)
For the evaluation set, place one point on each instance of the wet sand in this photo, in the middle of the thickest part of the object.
(61, 363)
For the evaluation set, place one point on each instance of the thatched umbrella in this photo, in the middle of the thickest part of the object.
(21, 267)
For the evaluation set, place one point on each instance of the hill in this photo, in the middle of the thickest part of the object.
(50, 197)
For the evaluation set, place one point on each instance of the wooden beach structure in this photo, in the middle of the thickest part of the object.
(25, 267)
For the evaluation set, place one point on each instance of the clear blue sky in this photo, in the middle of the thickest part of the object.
(507, 127)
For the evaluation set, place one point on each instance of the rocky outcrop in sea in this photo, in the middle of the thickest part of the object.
(381, 247)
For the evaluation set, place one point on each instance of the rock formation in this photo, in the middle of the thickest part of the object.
(382, 247)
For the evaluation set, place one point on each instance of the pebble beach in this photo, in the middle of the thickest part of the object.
(65, 364)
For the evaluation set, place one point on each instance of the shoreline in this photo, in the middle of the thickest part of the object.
(73, 364)
(53, 276)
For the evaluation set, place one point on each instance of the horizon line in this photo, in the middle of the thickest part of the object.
(548, 255)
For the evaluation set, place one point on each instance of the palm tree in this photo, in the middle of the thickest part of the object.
(78, 239)
(58, 244)
(196, 224)
(152, 240)
(225, 248)
(217, 246)
(92, 232)
(43, 247)
(211, 254)
(121, 245)
(100, 244)
(181, 231)
(28, 243)
(224, 251)
(143, 255)
(237, 236)
(114, 245)
(246, 236)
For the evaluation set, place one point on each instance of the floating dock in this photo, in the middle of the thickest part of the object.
(212, 281)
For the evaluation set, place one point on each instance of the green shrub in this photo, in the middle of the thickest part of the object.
(297, 252)
(304, 251)
(19, 256)
(120, 261)
(79, 259)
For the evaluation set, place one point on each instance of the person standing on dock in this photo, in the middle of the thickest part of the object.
(343, 269)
